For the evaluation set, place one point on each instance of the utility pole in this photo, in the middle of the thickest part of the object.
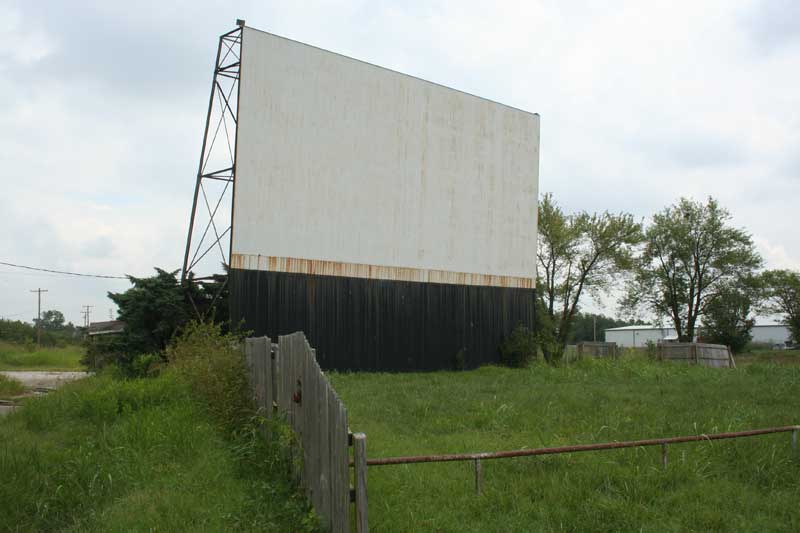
(39, 317)
(87, 315)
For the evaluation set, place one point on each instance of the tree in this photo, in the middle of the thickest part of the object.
(727, 319)
(153, 310)
(578, 254)
(51, 320)
(782, 296)
(691, 252)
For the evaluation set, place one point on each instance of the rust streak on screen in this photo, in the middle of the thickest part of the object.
(354, 270)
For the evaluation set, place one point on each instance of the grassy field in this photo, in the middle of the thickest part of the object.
(746, 484)
(105, 454)
(18, 357)
(780, 357)
(10, 387)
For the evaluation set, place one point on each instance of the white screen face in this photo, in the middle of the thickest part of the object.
(345, 168)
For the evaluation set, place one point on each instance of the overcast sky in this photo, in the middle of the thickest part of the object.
(102, 107)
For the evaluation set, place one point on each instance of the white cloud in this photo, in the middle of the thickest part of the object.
(21, 44)
(102, 108)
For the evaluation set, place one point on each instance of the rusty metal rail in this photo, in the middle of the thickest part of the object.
(663, 442)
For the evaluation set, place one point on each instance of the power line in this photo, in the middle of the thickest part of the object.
(62, 272)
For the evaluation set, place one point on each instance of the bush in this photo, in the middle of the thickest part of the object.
(214, 367)
(520, 348)
(651, 350)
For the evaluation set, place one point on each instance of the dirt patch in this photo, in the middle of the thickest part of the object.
(36, 383)
(44, 380)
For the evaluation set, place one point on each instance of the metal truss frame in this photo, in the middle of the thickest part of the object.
(224, 86)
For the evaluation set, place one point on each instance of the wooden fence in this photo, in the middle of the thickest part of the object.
(597, 349)
(287, 381)
(713, 355)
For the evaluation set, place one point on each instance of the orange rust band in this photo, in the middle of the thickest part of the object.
(354, 270)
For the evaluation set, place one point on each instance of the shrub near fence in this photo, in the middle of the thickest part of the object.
(288, 381)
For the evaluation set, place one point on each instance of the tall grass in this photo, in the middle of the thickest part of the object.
(108, 454)
(747, 484)
(24, 357)
(10, 387)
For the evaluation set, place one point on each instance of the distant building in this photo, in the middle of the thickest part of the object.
(772, 334)
(639, 336)
(109, 327)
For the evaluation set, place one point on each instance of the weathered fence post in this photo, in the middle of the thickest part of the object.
(478, 479)
(664, 455)
(731, 360)
(794, 439)
(360, 463)
(273, 362)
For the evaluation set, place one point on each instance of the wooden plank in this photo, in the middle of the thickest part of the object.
(261, 354)
(268, 381)
(342, 464)
(360, 462)
(248, 361)
(248, 354)
(286, 382)
(334, 481)
(255, 369)
(324, 454)
(332, 473)
(308, 409)
(274, 379)
(283, 358)
(317, 439)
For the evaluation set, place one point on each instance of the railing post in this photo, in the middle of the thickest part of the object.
(478, 477)
(664, 455)
(360, 463)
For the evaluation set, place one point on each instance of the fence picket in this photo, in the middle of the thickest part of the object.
(288, 376)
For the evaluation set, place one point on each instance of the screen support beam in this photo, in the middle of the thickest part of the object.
(218, 153)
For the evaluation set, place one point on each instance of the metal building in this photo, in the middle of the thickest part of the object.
(391, 219)
(639, 336)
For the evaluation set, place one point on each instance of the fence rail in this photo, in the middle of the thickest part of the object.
(476, 458)
(580, 447)
(287, 380)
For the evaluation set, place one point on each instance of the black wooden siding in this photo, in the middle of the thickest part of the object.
(367, 324)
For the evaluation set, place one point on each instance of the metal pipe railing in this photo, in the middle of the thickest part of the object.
(663, 442)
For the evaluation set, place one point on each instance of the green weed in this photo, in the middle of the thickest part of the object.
(27, 357)
(147, 454)
(744, 484)
(10, 387)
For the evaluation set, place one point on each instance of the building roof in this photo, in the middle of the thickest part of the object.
(656, 328)
(634, 328)
(106, 328)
